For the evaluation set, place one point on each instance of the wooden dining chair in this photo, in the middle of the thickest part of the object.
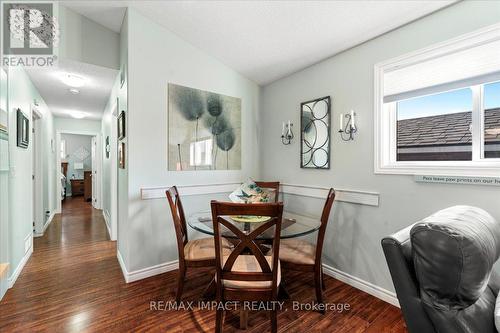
(194, 253)
(275, 186)
(300, 255)
(246, 274)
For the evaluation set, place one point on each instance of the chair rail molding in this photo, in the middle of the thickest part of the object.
(359, 197)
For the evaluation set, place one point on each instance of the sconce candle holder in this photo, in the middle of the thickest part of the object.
(347, 131)
(286, 133)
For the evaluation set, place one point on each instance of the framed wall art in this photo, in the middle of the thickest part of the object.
(315, 134)
(23, 132)
(204, 130)
(121, 125)
(121, 155)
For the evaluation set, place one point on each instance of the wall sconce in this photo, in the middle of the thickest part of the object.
(286, 133)
(347, 132)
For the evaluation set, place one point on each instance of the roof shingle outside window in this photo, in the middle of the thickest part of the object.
(445, 130)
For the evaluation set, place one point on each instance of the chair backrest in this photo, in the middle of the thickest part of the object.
(325, 215)
(397, 250)
(271, 185)
(221, 212)
(179, 219)
(442, 271)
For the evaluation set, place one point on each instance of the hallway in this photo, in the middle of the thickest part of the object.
(59, 282)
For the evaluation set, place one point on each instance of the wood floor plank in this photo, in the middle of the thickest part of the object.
(73, 283)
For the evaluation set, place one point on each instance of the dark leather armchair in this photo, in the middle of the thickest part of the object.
(442, 271)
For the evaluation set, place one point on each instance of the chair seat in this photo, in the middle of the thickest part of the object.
(204, 249)
(297, 251)
(248, 263)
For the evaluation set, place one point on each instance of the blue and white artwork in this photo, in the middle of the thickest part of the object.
(204, 130)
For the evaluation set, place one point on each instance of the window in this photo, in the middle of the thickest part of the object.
(435, 127)
(437, 110)
(62, 151)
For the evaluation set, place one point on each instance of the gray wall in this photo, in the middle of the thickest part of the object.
(353, 237)
(73, 143)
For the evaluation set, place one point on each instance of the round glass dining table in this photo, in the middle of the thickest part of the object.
(292, 225)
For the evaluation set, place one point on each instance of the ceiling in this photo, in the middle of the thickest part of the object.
(267, 40)
(109, 15)
(92, 98)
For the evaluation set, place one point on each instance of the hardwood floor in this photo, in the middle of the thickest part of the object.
(73, 283)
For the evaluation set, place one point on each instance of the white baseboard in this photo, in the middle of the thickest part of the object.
(367, 287)
(13, 277)
(107, 221)
(146, 272)
(49, 221)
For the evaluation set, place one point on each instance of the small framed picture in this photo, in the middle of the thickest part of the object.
(121, 155)
(121, 125)
(107, 147)
(23, 133)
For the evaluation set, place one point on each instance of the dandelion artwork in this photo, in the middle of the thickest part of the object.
(204, 130)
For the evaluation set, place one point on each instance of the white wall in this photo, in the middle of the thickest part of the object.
(109, 164)
(21, 94)
(4, 184)
(157, 57)
(76, 125)
(122, 181)
(86, 41)
(353, 236)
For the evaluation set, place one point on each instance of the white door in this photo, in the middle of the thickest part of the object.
(94, 172)
(33, 171)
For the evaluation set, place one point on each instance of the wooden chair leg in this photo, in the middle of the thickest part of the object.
(180, 284)
(274, 321)
(243, 319)
(219, 321)
(318, 286)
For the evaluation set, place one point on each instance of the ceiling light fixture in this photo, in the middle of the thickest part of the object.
(74, 91)
(72, 80)
(77, 114)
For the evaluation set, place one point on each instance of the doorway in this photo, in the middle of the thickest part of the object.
(39, 218)
(80, 162)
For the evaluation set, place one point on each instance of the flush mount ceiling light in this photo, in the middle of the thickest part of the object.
(77, 114)
(72, 80)
(74, 91)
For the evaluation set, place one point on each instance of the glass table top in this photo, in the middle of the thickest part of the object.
(293, 225)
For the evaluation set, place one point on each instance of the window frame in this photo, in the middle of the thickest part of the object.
(385, 118)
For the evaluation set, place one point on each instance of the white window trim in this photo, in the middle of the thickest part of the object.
(385, 124)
